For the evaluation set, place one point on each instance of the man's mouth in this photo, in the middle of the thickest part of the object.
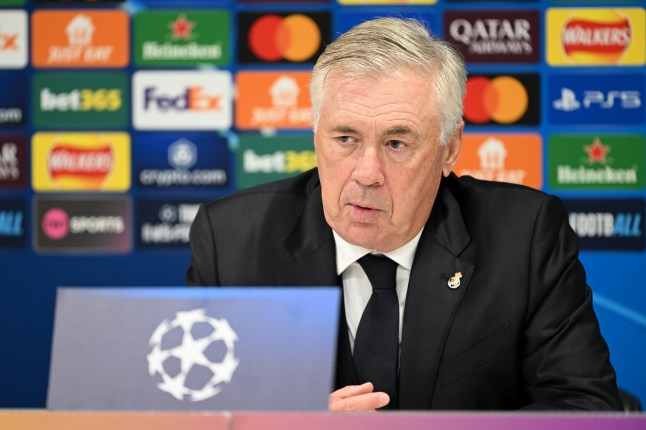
(362, 213)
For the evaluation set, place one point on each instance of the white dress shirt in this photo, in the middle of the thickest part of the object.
(356, 286)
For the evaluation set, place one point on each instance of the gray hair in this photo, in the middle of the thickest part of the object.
(383, 45)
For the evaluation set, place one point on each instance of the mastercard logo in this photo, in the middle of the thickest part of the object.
(500, 100)
(292, 38)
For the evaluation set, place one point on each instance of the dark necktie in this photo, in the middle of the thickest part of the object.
(376, 346)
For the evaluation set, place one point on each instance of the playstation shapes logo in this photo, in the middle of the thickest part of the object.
(193, 355)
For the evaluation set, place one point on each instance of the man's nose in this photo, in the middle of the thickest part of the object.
(369, 169)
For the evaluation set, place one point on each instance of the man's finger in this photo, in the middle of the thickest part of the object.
(351, 390)
(362, 402)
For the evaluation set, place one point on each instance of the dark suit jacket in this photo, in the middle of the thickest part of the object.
(518, 332)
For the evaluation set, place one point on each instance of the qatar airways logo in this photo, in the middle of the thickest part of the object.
(488, 36)
(195, 100)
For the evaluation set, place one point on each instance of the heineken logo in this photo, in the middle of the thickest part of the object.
(182, 28)
(187, 38)
(597, 152)
(596, 162)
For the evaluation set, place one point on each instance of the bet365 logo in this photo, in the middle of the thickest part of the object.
(84, 100)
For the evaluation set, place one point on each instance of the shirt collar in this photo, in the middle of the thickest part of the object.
(347, 253)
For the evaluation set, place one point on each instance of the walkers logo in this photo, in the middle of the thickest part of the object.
(190, 161)
(80, 100)
(13, 162)
(12, 99)
(188, 38)
(273, 100)
(512, 158)
(190, 100)
(13, 223)
(597, 99)
(608, 224)
(502, 100)
(261, 159)
(13, 39)
(596, 36)
(165, 223)
(495, 36)
(81, 162)
(609, 162)
(282, 38)
(82, 225)
(80, 38)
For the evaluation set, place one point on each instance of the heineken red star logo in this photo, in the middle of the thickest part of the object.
(182, 28)
(597, 152)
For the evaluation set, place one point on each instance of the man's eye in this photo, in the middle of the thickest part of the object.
(345, 139)
(396, 144)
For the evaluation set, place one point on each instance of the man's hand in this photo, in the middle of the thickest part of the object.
(354, 398)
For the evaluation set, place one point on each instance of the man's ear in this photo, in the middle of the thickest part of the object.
(452, 150)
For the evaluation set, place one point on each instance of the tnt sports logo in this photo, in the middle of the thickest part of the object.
(200, 100)
(292, 38)
(596, 36)
(502, 100)
(82, 224)
(56, 224)
(194, 355)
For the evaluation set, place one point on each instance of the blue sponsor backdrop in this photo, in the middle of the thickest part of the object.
(28, 281)
(13, 223)
(13, 100)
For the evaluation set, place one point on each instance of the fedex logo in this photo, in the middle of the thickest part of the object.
(596, 99)
(13, 39)
(196, 100)
(193, 98)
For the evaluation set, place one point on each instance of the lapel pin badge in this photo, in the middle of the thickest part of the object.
(454, 281)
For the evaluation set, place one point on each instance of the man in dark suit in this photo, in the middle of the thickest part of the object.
(492, 310)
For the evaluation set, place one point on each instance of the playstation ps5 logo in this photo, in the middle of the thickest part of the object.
(567, 102)
(603, 100)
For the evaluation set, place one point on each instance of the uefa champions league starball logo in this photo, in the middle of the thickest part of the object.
(193, 354)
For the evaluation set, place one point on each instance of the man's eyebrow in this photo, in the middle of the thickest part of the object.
(400, 130)
(344, 129)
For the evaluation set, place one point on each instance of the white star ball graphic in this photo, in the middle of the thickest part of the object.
(191, 353)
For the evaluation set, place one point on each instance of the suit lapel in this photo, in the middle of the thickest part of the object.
(430, 303)
(311, 245)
